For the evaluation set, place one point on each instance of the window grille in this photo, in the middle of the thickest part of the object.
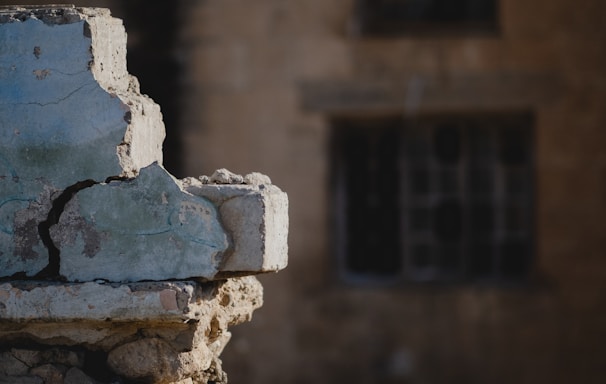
(434, 199)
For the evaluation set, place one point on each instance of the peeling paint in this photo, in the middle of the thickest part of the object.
(41, 74)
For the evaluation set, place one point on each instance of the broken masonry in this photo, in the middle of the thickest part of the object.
(102, 251)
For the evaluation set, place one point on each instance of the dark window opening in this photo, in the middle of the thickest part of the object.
(370, 177)
(434, 199)
(397, 17)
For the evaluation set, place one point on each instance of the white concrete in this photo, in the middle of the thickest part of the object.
(152, 302)
(256, 217)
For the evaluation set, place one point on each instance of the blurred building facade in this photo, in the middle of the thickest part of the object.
(326, 97)
(446, 171)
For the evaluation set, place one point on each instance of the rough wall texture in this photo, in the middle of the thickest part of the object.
(269, 60)
(81, 165)
(111, 269)
(70, 114)
(155, 332)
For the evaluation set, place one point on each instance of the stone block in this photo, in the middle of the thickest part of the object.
(146, 228)
(21, 380)
(155, 359)
(76, 376)
(50, 373)
(256, 217)
(11, 366)
(154, 227)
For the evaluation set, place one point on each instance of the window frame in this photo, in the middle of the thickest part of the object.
(522, 119)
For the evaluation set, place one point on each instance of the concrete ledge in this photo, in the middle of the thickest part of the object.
(159, 332)
(256, 217)
(166, 301)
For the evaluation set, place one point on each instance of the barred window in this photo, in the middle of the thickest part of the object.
(434, 199)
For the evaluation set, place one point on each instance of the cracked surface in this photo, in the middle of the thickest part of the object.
(84, 121)
(162, 332)
(90, 122)
(146, 228)
(95, 235)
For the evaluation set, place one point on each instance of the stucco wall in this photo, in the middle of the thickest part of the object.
(252, 69)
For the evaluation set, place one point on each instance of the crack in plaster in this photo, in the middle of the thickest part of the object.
(58, 206)
(51, 271)
(72, 93)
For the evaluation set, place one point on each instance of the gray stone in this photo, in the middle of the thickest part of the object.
(50, 373)
(76, 376)
(27, 357)
(11, 366)
(20, 380)
(146, 228)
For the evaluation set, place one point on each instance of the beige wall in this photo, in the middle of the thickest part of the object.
(251, 67)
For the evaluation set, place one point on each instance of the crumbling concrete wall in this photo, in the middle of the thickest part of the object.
(157, 332)
(105, 258)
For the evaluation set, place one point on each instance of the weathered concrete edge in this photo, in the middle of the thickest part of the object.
(256, 217)
(167, 301)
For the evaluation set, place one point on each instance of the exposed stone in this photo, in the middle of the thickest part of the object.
(20, 380)
(177, 311)
(33, 358)
(141, 346)
(214, 374)
(11, 366)
(27, 357)
(151, 359)
(223, 176)
(76, 376)
(185, 381)
(50, 373)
